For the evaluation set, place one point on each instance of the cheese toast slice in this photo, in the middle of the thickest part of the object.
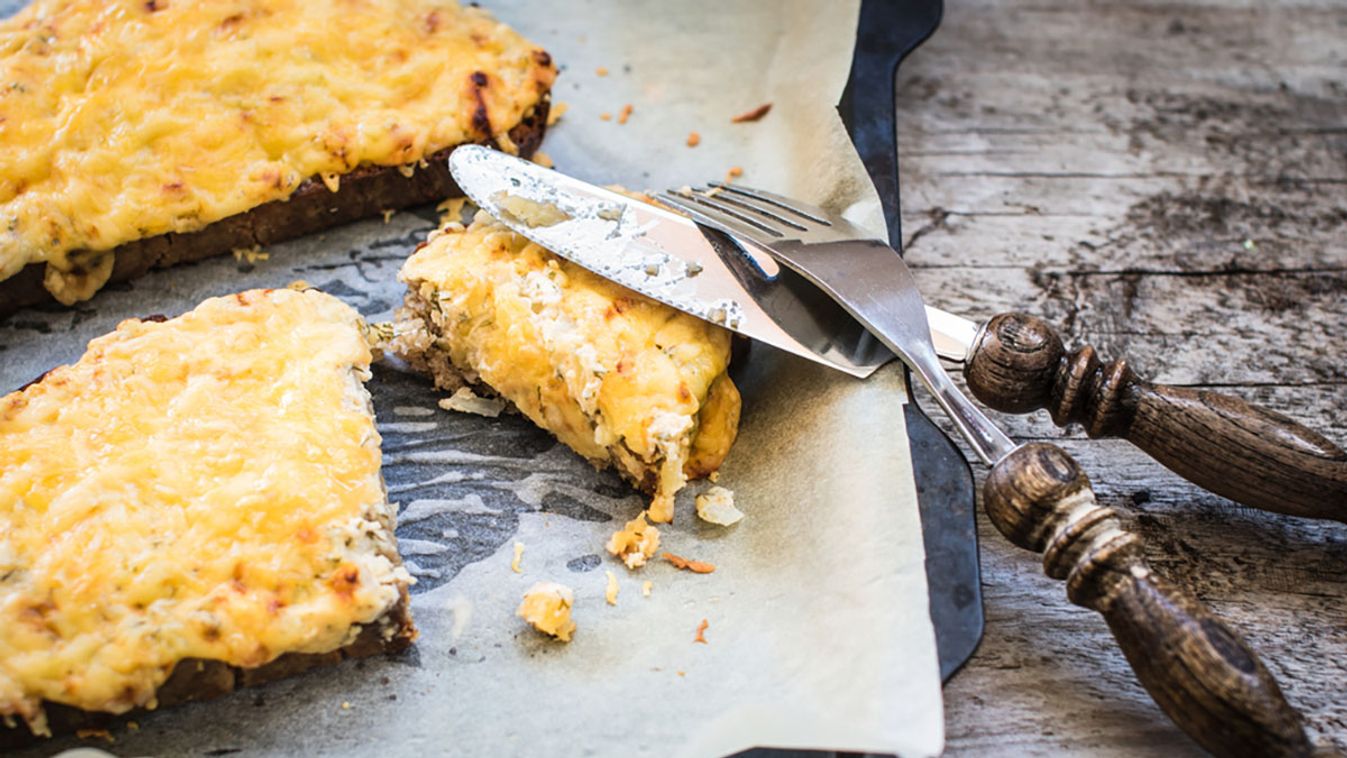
(623, 380)
(128, 126)
(194, 505)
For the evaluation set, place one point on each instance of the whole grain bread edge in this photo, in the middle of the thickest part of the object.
(364, 192)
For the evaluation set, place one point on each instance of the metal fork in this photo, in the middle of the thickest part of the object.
(1203, 676)
(826, 249)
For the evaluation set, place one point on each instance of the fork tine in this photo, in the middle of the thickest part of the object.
(714, 215)
(752, 206)
(803, 210)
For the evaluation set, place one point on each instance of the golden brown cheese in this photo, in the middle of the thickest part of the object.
(126, 119)
(207, 487)
(618, 377)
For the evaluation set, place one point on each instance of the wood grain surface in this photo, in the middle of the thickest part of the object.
(1166, 181)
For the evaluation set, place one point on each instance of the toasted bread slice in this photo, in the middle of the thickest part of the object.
(141, 134)
(620, 378)
(195, 505)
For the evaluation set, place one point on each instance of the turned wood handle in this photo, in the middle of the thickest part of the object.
(1221, 443)
(1197, 670)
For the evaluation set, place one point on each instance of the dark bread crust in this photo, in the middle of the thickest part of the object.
(195, 679)
(364, 192)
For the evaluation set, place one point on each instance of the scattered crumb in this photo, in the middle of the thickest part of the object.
(714, 477)
(605, 116)
(547, 606)
(388, 214)
(250, 254)
(681, 673)
(451, 209)
(542, 159)
(734, 173)
(89, 734)
(624, 114)
(601, 71)
(299, 285)
(634, 543)
(464, 400)
(646, 586)
(461, 607)
(518, 554)
(555, 113)
(407, 169)
(133, 726)
(716, 506)
(610, 593)
(696, 567)
(345, 706)
(701, 632)
(694, 139)
(752, 115)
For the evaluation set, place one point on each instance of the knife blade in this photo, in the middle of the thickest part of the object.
(667, 257)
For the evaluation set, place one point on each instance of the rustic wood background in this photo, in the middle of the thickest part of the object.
(1167, 181)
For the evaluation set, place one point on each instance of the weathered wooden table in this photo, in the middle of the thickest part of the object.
(1167, 181)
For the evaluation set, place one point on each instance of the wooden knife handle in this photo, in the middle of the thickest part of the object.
(1198, 671)
(1219, 442)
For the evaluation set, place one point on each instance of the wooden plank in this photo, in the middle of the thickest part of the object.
(1165, 180)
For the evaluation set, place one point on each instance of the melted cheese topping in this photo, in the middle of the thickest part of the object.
(616, 376)
(207, 487)
(126, 119)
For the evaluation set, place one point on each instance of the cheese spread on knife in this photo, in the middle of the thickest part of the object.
(204, 488)
(621, 379)
(125, 119)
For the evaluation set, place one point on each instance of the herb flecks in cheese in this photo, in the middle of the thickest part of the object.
(122, 120)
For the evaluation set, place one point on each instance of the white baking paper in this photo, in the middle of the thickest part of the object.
(818, 631)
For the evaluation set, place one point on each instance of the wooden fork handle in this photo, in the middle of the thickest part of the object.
(1197, 670)
(1219, 442)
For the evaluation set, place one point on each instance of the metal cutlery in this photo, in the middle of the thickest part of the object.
(1209, 682)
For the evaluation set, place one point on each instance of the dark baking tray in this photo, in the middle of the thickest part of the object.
(888, 31)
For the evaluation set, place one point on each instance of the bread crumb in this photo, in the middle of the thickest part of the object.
(696, 567)
(345, 706)
(716, 506)
(555, 113)
(388, 214)
(464, 400)
(624, 114)
(734, 173)
(610, 592)
(701, 632)
(605, 116)
(634, 543)
(714, 477)
(752, 115)
(547, 606)
(601, 71)
(694, 139)
(646, 586)
(542, 159)
(102, 734)
(518, 554)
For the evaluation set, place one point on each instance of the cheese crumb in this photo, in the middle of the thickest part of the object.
(716, 506)
(601, 71)
(610, 593)
(605, 116)
(734, 173)
(555, 113)
(464, 400)
(696, 567)
(701, 632)
(646, 586)
(635, 543)
(531, 213)
(332, 179)
(694, 139)
(388, 214)
(624, 114)
(542, 159)
(250, 254)
(518, 554)
(451, 210)
(547, 606)
(345, 706)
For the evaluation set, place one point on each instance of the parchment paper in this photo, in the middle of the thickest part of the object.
(819, 634)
